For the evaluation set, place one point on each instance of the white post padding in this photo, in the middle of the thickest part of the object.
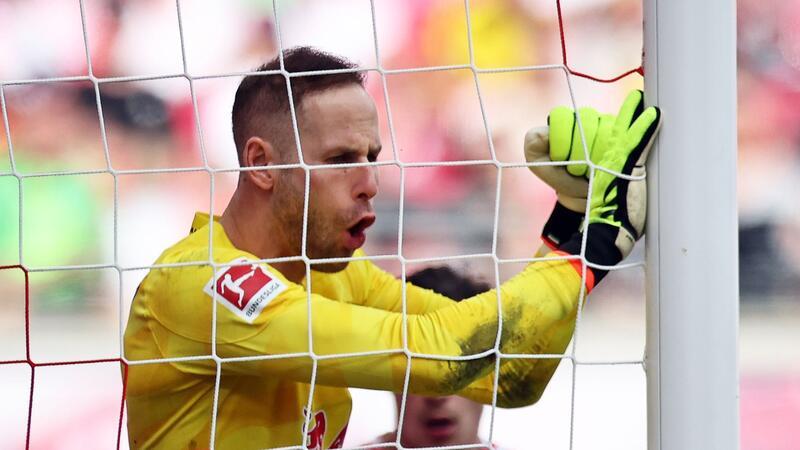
(692, 245)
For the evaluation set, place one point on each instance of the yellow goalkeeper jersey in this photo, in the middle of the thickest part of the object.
(237, 349)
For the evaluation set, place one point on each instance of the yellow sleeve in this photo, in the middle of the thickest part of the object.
(539, 307)
(364, 283)
(386, 292)
(515, 374)
(521, 381)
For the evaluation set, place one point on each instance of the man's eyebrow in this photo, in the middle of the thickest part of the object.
(345, 150)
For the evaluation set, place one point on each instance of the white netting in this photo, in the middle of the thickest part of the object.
(206, 167)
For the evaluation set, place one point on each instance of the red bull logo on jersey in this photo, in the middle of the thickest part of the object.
(245, 288)
(315, 436)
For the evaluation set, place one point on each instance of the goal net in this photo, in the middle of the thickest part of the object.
(116, 129)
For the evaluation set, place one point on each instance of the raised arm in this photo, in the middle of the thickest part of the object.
(538, 308)
(373, 287)
(616, 210)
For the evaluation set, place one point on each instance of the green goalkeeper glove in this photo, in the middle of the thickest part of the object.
(618, 206)
(561, 142)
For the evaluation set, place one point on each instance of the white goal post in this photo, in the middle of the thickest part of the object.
(692, 247)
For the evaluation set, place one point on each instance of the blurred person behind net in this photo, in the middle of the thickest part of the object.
(444, 420)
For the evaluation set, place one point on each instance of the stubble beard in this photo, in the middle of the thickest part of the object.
(321, 238)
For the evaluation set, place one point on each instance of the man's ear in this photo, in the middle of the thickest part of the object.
(259, 153)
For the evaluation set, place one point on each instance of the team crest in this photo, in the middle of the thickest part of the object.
(245, 289)
(315, 436)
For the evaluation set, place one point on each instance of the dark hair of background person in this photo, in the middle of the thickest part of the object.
(445, 281)
(261, 106)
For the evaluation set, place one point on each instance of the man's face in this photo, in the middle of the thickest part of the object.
(440, 421)
(337, 126)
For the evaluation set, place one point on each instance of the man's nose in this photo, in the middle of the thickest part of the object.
(367, 186)
(433, 402)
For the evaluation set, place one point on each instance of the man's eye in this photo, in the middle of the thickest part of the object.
(339, 159)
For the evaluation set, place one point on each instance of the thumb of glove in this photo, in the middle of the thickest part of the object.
(571, 190)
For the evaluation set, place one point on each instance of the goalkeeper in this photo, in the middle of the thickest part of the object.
(248, 401)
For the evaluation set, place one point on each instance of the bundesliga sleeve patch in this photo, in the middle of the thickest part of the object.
(245, 289)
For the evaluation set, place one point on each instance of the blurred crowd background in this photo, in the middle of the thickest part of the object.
(170, 122)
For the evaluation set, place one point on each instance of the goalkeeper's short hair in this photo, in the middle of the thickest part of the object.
(261, 106)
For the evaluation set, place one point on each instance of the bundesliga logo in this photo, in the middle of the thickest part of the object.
(245, 289)
(239, 283)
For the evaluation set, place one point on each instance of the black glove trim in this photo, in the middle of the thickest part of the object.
(560, 226)
(601, 247)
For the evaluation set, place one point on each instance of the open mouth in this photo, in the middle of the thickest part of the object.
(440, 429)
(355, 234)
(439, 423)
(360, 226)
